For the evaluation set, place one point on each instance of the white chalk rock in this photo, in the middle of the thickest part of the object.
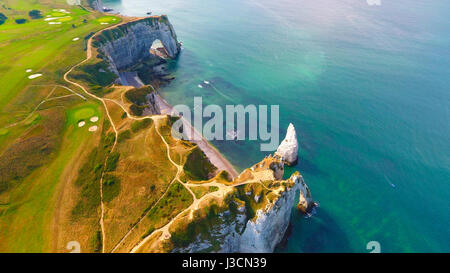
(288, 148)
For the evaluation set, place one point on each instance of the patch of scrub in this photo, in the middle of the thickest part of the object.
(75, 39)
(34, 76)
(94, 119)
(81, 123)
(4, 131)
(93, 128)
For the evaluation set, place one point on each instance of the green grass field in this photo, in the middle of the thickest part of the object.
(49, 46)
(51, 165)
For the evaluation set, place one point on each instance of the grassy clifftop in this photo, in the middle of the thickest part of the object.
(122, 30)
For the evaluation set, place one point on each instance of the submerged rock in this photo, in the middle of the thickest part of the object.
(288, 148)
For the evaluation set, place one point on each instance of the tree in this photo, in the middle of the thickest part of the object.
(2, 18)
(21, 21)
(35, 14)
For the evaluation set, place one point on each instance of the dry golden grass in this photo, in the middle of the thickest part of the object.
(145, 173)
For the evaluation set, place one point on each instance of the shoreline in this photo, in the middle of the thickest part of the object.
(216, 158)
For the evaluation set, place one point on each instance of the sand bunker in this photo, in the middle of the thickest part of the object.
(75, 39)
(28, 70)
(34, 76)
(81, 123)
(93, 128)
(199, 86)
(206, 82)
(103, 23)
(54, 23)
(94, 119)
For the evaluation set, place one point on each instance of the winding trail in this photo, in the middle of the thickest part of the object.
(89, 55)
(211, 152)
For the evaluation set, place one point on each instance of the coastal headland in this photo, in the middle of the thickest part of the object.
(111, 177)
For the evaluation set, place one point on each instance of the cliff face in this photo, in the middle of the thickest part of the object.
(263, 234)
(255, 216)
(129, 43)
(249, 214)
(96, 5)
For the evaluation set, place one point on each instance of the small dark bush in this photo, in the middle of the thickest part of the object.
(139, 125)
(124, 135)
(111, 163)
(2, 18)
(35, 14)
(21, 21)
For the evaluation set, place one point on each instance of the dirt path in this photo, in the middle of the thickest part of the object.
(215, 157)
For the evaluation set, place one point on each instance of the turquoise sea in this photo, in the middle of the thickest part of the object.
(367, 88)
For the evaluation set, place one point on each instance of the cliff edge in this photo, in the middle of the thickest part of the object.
(250, 213)
(130, 43)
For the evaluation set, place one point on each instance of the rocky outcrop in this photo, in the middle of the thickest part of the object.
(268, 229)
(143, 101)
(96, 5)
(129, 43)
(255, 215)
(288, 148)
(305, 201)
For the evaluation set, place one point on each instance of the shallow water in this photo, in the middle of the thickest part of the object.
(365, 86)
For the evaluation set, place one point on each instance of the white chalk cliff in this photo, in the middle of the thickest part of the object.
(130, 43)
(288, 148)
(237, 230)
(97, 5)
(253, 214)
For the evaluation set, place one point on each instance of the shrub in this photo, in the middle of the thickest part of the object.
(96, 241)
(137, 110)
(35, 14)
(198, 166)
(111, 187)
(124, 135)
(2, 18)
(111, 163)
(21, 21)
(138, 95)
(139, 125)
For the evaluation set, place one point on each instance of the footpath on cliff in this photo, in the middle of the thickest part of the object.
(216, 158)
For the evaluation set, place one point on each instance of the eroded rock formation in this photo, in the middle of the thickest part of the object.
(129, 43)
(97, 5)
(250, 214)
(288, 148)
